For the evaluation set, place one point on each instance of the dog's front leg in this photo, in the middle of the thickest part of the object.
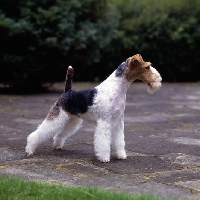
(102, 140)
(118, 142)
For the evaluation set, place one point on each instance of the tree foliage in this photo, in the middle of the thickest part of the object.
(39, 39)
(165, 32)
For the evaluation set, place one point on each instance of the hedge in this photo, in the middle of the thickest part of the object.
(39, 39)
(165, 32)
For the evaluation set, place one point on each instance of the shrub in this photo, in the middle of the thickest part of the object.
(165, 32)
(39, 39)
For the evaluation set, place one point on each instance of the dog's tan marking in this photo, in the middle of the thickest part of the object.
(136, 67)
(54, 111)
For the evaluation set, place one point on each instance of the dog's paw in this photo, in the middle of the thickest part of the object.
(121, 158)
(58, 144)
(104, 160)
(29, 154)
(121, 155)
(29, 151)
(57, 148)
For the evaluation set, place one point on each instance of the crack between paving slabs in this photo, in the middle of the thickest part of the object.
(146, 176)
(109, 170)
(192, 190)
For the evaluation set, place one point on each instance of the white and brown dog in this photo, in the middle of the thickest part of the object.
(103, 106)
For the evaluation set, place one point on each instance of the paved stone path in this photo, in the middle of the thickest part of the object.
(162, 133)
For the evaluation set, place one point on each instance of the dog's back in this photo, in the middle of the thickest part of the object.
(76, 102)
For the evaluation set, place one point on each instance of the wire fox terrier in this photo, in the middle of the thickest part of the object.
(103, 106)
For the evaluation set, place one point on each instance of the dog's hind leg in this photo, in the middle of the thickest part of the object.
(70, 129)
(51, 126)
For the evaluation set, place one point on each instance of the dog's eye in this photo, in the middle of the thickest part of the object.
(147, 67)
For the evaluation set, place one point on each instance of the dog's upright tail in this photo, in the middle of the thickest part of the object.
(69, 77)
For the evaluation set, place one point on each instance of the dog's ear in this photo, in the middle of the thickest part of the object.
(136, 61)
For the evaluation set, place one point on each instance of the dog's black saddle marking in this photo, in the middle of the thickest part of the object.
(77, 102)
(121, 68)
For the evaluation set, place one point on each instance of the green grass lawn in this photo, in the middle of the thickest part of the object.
(12, 188)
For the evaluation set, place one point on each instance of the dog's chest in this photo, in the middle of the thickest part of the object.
(109, 103)
(109, 100)
(111, 95)
(102, 109)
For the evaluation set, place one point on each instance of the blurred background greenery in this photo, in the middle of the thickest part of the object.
(39, 39)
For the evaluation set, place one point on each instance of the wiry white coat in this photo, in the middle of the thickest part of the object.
(107, 113)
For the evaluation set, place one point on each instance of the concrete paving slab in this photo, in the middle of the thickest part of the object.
(162, 191)
(162, 133)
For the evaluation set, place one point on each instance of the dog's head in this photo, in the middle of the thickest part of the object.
(139, 69)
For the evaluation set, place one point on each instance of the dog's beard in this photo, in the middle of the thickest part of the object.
(152, 87)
